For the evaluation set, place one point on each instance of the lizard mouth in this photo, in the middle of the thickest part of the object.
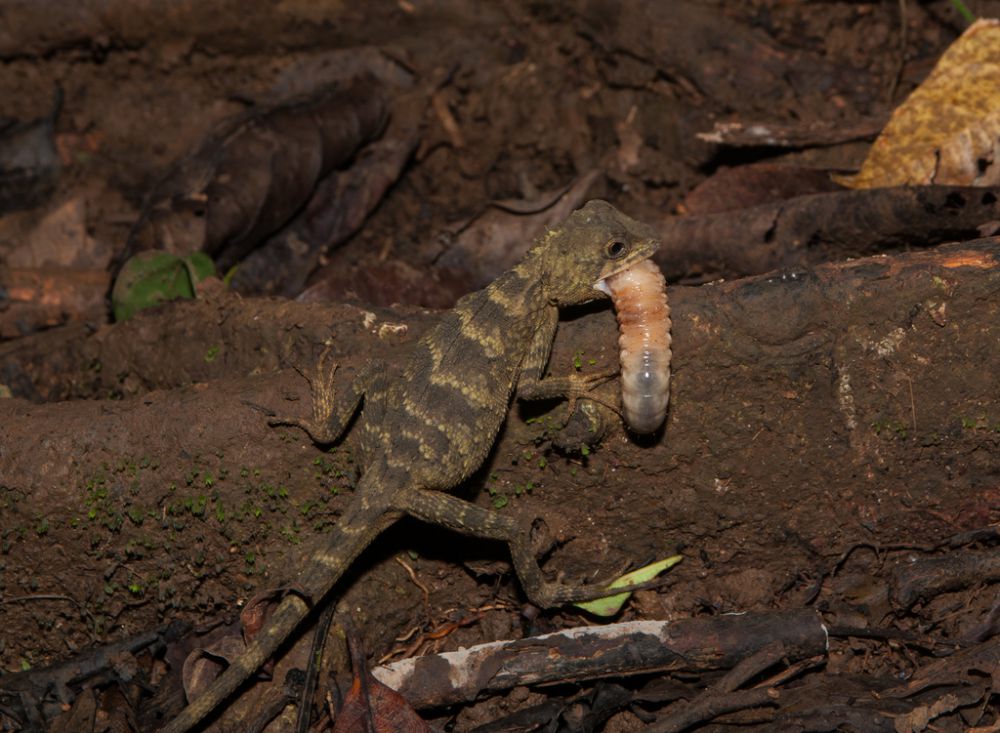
(607, 283)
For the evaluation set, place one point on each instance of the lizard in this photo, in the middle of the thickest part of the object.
(426, 433)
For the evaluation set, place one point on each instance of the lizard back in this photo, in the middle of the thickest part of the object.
(440, 420)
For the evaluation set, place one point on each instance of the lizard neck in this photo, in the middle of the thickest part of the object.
(518, 295)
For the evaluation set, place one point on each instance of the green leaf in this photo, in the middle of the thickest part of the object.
(154, 277)
(612, 604)
(199, 266)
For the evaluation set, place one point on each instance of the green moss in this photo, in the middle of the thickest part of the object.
(891, 428)
(290, 532)
(980, 423)
(525, 488)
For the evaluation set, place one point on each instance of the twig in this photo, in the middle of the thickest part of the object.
(711, 705)
(312, 670)
(413, 577)
(55, 597)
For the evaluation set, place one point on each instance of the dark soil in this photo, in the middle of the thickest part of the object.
(828, 425)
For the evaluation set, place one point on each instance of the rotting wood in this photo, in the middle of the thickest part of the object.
(589, 652)
(806, 230)
(57, 364)
(923, 579)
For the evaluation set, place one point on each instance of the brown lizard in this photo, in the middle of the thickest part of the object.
(428, 432)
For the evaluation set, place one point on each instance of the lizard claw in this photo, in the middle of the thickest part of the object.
(267, 411)
(322, 373)
(581, 386)
(558, 594)
(321, 386)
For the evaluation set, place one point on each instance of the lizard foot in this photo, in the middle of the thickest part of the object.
(321, 386)
(581, 386)
(454, 513)
(584, 430)
(550, 595)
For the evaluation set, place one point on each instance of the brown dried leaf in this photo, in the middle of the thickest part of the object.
(947, 132)
(259, 608)
(338, 207)
(389, 710)
(203, 665)
(918, 719)
(256, 172)
(80, 716)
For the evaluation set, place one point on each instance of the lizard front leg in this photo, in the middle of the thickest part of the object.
(332, 412)
(457, 514)
(532, 385)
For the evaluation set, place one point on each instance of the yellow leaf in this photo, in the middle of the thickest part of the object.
(948, 131)
(610, 605)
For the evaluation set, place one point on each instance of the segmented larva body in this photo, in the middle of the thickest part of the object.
(640, 298)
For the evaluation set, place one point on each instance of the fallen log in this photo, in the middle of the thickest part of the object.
(833, 406)
(803, 231)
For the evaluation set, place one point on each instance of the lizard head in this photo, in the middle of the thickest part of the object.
(593, 244)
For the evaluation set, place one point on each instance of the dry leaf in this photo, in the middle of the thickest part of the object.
(256, 171)
(204, 664)
(386, 707)
(947, 132)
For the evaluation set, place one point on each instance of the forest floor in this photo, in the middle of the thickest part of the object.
(834, 425)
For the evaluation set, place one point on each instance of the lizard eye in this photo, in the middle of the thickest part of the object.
(616, 249)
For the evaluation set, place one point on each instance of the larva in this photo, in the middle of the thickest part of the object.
(639, 295)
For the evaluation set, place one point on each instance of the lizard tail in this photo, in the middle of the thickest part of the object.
(323, 568)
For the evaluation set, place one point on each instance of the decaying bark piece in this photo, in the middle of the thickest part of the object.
(925, 578)
(589, 652)
(806, 230)
(784, 135)
(754, 184)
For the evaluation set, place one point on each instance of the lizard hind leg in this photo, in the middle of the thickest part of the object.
(331, 411)
(459, 515)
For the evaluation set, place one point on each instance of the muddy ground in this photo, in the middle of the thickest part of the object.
(833, 423)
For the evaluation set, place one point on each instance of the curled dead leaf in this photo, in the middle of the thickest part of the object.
(204, 664)
(948, 131)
